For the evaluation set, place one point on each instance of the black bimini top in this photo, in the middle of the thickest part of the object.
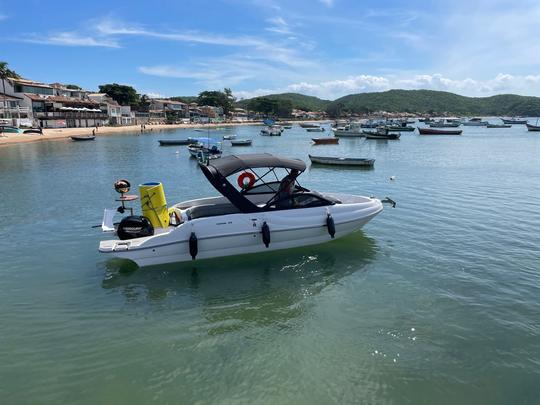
(231, 164)
(217, 171)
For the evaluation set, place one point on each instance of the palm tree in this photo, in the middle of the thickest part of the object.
(6, 73)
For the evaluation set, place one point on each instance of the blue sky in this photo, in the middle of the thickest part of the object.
(326, 48)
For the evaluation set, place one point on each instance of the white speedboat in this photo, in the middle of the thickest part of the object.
(250, 216)
(273, 130)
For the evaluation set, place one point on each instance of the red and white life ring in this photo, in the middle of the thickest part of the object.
(242, 180)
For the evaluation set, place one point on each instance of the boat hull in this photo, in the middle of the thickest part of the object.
(533, 128)
(517, 122)
(237, 234)
(173, 142)
(348, 133)
(432, 131)
(83, 138)
(337, 161)
(325, 141)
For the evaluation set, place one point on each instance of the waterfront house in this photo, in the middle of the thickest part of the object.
(107, 103)
(239, 115)
(66, 112)
(168, 110)
(12, 112)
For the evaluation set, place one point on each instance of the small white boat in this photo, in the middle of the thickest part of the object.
(318, 129)
(353, 130)
(254, 216)
(241, 142)
(341, 161)
(229, 137)
(273, 130)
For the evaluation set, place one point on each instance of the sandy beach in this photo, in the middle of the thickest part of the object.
(50, 134)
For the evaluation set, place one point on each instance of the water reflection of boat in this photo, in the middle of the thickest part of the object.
(265, 289)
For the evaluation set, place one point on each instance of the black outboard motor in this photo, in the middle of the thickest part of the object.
(134, 226)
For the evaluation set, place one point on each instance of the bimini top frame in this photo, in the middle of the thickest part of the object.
(217, 171)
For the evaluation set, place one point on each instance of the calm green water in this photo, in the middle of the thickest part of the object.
(436, 301)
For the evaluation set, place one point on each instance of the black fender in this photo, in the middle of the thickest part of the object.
(193, 245)
(265, 230)
(330, 225)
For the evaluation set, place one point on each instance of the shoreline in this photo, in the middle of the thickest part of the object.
(52, 134)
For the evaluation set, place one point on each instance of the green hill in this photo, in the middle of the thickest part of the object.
(299, 101)
(435, 102)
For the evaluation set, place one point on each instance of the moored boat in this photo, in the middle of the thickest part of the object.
(444, 124)
(341, 161)
(274, 130)
(229, 137)
(352, 130)
(400, 128)
(533, 128)
(513, 121)
(498, 126)
(38, 131)
(171, 142)
(325, 141)
(253, 214)
(10, 129)
(379, 135)
(241, 142)
(318, 129)
(83, 137)
(309, 125)
(433, 131)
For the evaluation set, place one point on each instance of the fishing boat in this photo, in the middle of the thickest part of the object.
(274, 130)
(229, 137)
(433, 131)
(9, 129)
(319, 129)
(341, 161)
(399, 128)
(498, 126)
(441, 124)
(202, 152)
(513, 121)
(475, 122)
(171, 142)
(533, 128)
(38, 131)
(79, 138)
(380, 135)
(309, 125)
(353, 130)
(241, 142)
(325, 141)
(252, 215)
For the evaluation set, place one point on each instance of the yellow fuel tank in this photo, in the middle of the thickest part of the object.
(154, 204)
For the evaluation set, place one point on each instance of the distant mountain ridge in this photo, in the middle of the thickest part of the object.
(299, 101)
(414, 101)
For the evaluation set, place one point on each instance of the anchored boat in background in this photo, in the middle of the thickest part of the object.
(256, 212)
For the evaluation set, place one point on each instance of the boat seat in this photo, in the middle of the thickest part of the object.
(211, 210)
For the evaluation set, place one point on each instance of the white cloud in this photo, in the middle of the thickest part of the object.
(71, 39)
(332, 89)
(279, 26)
(328, 3)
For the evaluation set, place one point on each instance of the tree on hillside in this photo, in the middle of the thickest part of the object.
(270, 106)
(73, 87)
(122, 94)
(6, 73)
(221, 99)
(144, 103)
